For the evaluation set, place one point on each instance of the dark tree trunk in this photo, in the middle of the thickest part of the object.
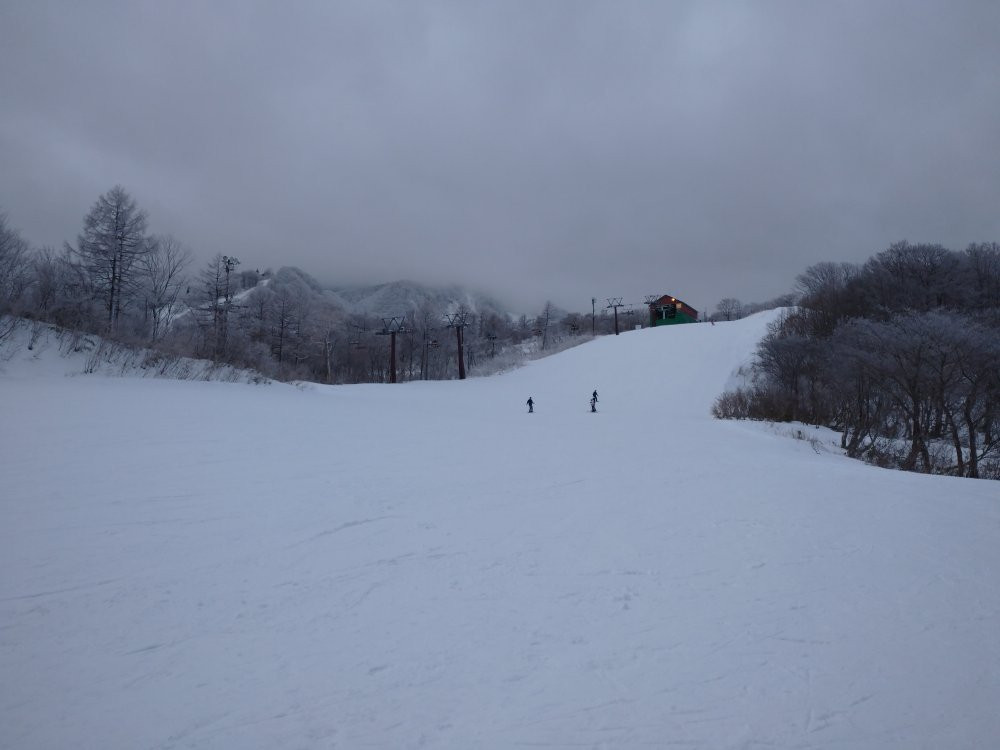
(956, 440)
(970, 425)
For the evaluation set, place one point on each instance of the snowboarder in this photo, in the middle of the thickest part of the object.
(531, 405)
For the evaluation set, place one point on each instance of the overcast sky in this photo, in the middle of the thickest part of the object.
(534, 149)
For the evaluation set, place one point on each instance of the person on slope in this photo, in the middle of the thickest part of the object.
(531, 405)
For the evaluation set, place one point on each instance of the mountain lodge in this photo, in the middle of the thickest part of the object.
(667, 310)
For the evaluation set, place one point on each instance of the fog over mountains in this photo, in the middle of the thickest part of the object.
(406, 297)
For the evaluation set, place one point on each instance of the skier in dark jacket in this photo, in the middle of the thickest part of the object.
(531, 405)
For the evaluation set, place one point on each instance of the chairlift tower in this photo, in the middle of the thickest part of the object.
(459, 321)
(390, 327)
(615, 303)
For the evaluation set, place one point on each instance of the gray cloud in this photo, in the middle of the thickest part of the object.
(539, 150)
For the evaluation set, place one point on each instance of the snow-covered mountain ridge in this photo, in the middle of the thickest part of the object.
(407, 297)
(212, 565)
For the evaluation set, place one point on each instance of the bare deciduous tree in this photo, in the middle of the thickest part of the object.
(113, 239)
(14, 277)
(543, 323)
(729, 308)
(218, 288)
(163, 268)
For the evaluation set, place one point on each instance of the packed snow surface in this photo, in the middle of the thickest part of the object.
(218, 565)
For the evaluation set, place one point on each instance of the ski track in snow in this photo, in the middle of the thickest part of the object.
(209, 565)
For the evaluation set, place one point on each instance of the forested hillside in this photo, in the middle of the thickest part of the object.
(900, 354)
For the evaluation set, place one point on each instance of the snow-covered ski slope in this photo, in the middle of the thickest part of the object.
(213, 565)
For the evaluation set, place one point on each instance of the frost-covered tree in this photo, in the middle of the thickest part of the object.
(544, 321)
(983, 261)
(163, 269)
(825, 289)
(913, 277)
(977, 391)
(902, 355)
(14, 276)
(59, 291)
(729, 308)
(218, 286)
(113, 240)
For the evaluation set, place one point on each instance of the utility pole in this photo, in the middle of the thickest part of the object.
(459, 321)
(593, 316)
(615, 303)
(390, 327)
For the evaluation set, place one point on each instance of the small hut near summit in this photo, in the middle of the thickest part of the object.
(667, 311)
